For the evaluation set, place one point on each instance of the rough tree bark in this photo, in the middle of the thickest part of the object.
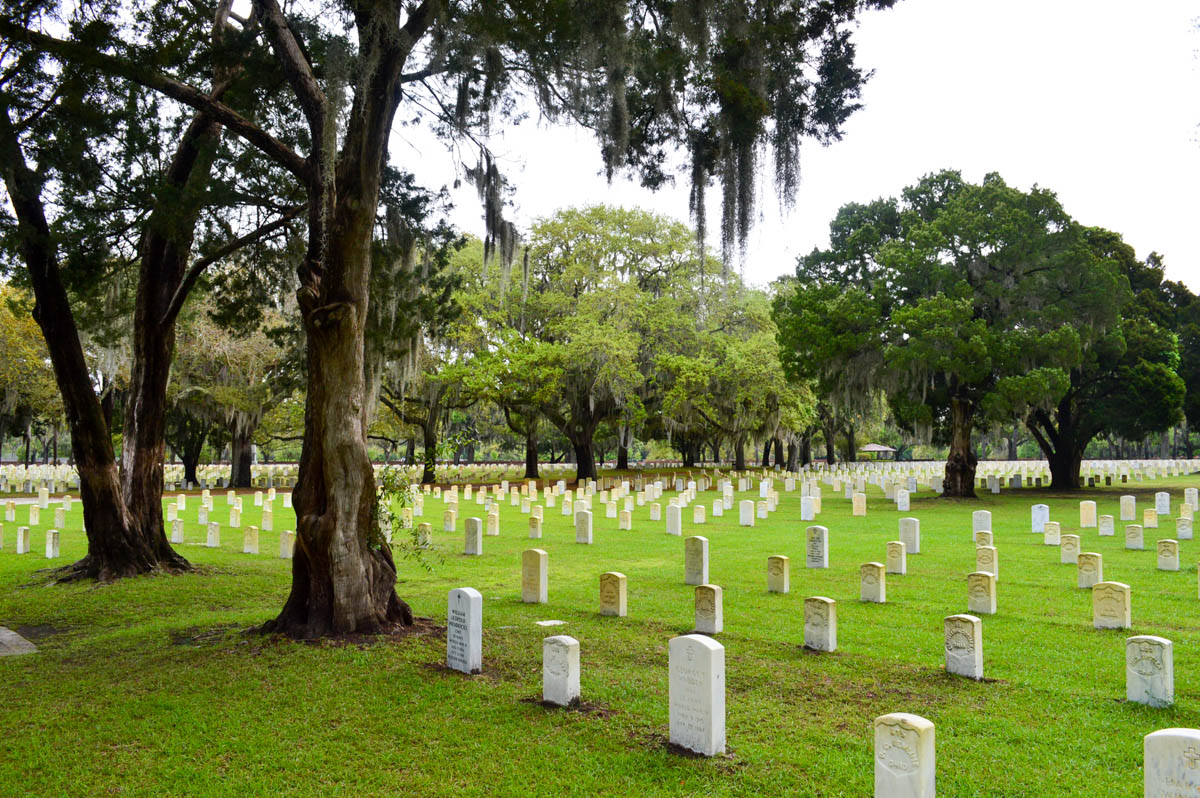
(960, 463)
(343, 575)
(739, 453)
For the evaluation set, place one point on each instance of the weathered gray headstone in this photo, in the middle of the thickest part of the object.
(560, 670)
(1149, 670)
(820, 623)
(964, 646)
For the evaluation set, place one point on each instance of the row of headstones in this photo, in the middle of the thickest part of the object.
(904, 744)
(1149, 662)
(905, 759)
(287, 540)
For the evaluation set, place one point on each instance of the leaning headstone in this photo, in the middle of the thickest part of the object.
(710, 615)
(904, 757)
(464, 630)
(910, 535)
(1171, 763)
(897, 562)
(1110, 605)
(1134, 537)
(1149, 671)
(560, 670)
(697, 694)
(746, 513)
(1068, 550)
(778, 574)
(613, 593)
(872, 583)
(1128, 508)
(816, 550)
(820, 623)
(1168, 555)
(1107, 526)
(981, 593)
(583, 527)
(1090, 569)
(964, 646)
(981, 519)
(1039, 515)
(1087, 514)
(695, 560)
(473, 537)
(534, 576)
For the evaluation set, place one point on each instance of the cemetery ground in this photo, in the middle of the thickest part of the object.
(154, 686)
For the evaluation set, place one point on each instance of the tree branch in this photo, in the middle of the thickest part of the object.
(197, 268)
(81, 55)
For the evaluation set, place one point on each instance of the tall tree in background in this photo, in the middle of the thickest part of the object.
(1125, 383)
(964, 302)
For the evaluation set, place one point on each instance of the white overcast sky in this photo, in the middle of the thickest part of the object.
(1098, 101)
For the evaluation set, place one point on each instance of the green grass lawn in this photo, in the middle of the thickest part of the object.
(152, 686)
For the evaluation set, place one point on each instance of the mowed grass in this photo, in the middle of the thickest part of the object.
(153, 686)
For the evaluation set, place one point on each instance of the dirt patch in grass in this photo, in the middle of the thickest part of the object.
(578, 705)
(421, 627)
(200, 635)
(35, 632)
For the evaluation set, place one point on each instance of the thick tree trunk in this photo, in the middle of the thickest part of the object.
(585, 458)
(241, 457)
(806, 449)
(120, 543)
(622, 456)
(851, 444)
(410, 451)
(1062, 444)
(830, 444)
(688, 451)
(779, 462)
(961, 462)
(190, 462)
(429, 453)
(739, 454)
(793, 456)
(766, 454)
(531, 453)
